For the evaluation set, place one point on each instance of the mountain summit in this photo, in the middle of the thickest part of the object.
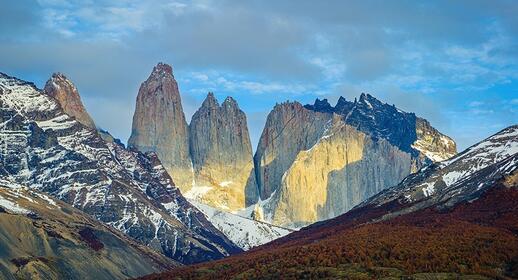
(65, 92)
(159, 124)
(221, 155)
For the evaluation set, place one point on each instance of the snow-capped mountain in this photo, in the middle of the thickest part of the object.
(44, 238)
(46, 149)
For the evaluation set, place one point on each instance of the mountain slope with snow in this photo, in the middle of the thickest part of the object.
(244, 232)
(42, 147)
(44, 238)
(460, 178)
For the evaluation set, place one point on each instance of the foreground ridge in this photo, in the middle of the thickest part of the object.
(42, 236)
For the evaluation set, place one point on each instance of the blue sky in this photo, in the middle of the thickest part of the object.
(452, 62)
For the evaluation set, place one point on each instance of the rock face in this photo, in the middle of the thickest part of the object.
(42, 147)
(211, 159)
(289, 129)
(221, 156)
(315, 162)
(159, 125)
(44, 238)
(65, 92)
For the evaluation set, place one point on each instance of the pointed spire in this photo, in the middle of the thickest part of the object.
(341, 102)
(66, 94)
(342, 105)
(322, 105)
(210, 100)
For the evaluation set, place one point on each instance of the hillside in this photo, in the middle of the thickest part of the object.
(44, 238)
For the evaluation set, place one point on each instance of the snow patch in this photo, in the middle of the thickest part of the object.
(244, 232)
(197, 192)
(429, 189)
(12, 206)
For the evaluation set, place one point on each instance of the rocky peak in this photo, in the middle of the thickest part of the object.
(162, 69)
(402, 129)
(210, 101)
(343, 106)
(230, 102)
(65, 92)
(221, 154)
(369, 101)
(321, 106)
(159, 124)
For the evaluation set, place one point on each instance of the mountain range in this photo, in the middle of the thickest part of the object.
(312, 162)
(330, 191)
(47, 150)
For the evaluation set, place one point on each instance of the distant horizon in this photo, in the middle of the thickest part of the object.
(454, 64)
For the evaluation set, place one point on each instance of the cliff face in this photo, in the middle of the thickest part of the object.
(342, 169)
(65, 92)
(159, 125)
(289, 129)
(222, 156)
(316, 162)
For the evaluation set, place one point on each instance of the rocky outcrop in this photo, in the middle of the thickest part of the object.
(65, 92)
(159, 125)
(431, 143)
(316, 162)
(221, 156)
(49, 151)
